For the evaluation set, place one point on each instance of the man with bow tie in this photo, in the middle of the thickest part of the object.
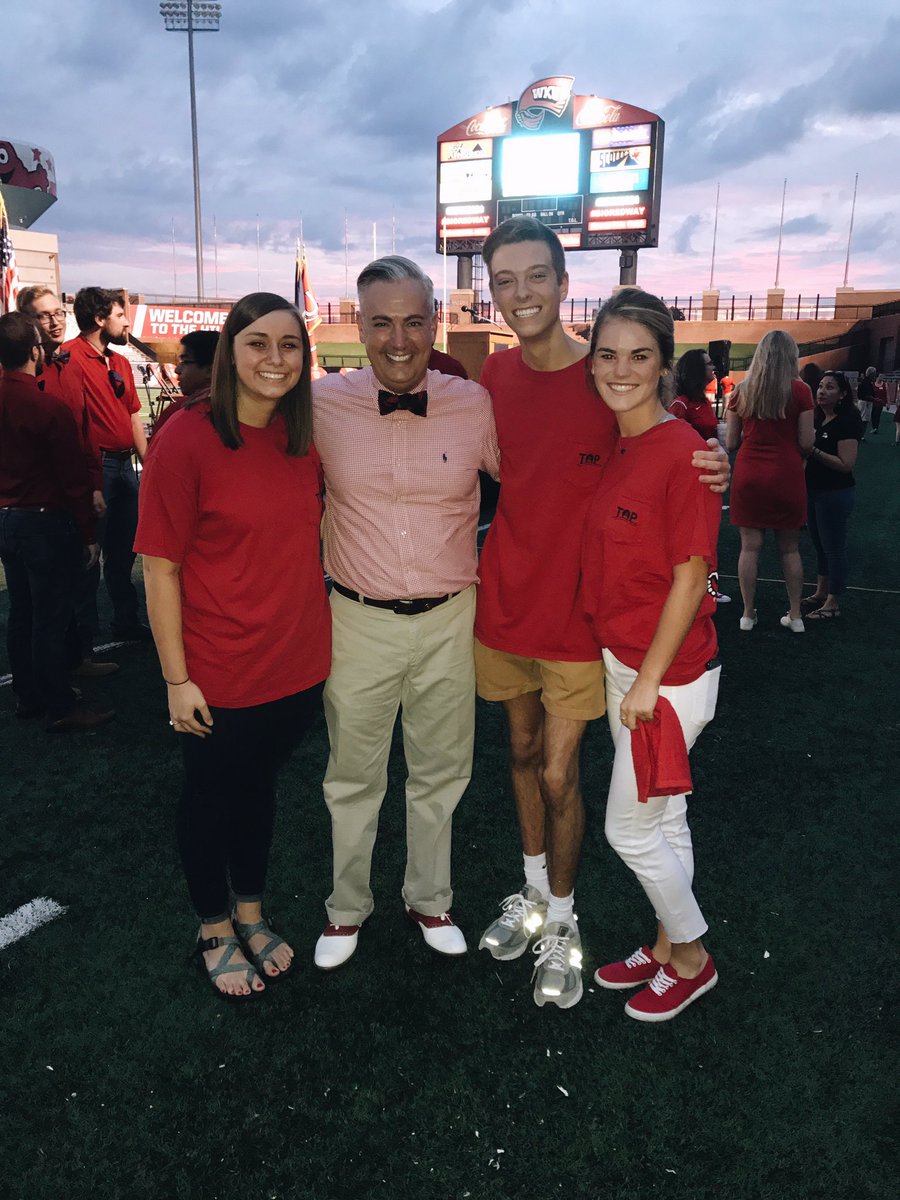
(401, 448)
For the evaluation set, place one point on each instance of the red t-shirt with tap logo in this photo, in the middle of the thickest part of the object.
(555, 434)
(649, 514)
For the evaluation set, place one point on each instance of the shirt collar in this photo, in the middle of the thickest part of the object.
(21, 377)
(90, 352)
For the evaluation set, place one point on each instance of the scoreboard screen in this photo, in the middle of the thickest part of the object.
(590, 168)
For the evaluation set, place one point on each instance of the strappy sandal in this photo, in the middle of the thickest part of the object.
(225, 966)
(823, 614)
(810, 603)
(260, 958)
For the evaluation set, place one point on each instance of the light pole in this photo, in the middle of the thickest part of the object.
(194, 17)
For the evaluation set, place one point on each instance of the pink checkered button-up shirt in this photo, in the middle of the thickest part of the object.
(402, 495)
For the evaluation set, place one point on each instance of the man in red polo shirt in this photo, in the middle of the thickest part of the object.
(45, 504)
(98, 379)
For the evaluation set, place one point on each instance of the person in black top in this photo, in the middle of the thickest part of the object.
(831, 491)
(865, 395)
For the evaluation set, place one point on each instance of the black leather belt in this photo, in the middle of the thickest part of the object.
(118, 455)
(406, 608)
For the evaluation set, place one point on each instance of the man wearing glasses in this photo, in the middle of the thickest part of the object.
(100, 381)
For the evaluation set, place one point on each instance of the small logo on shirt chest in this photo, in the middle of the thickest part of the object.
(626, 514)
(589, 460)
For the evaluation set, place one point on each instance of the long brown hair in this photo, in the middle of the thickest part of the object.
(295, 406)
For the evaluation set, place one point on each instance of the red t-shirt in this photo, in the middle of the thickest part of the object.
(41, 458)
(699, 413)
(554, 433)
(244, 525)
(648, 515)
(85, 379)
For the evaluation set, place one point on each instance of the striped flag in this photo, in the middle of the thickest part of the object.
(305, 300)
(9, 276)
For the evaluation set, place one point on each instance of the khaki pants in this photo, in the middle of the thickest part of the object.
(382, 661)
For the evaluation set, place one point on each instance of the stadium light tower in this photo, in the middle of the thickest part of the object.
(192, 16)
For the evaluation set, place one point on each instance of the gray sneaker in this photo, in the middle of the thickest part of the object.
(521, 917)
(557, 972)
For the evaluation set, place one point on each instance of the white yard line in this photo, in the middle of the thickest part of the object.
(27, 918)
(873, 591)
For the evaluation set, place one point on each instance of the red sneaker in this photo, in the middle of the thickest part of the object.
(638, 968)
(667, 993)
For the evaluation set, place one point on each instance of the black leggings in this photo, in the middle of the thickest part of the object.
(227, 808)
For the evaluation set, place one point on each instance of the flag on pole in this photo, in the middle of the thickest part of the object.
(9, 276)
(305, 300)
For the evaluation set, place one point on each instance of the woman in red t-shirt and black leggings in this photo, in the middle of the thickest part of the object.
(648, 579)
(229, 530)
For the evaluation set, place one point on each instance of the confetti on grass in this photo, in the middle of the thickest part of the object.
(562, 1089)
(27, 918)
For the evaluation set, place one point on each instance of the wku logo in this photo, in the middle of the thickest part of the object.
(546, 95)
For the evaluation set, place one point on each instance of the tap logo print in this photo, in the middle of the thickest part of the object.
(546, 95)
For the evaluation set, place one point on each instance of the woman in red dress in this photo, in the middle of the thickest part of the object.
(770, 417)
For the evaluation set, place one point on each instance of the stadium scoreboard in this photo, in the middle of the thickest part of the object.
(590, 168)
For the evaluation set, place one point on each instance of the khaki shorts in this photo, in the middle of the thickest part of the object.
(574, 690)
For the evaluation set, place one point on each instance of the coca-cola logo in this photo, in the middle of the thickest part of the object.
(550, 95)
(598, 112)
(492, 123)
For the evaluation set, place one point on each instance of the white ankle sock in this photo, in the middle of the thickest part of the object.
(536, 872)
(561, 908)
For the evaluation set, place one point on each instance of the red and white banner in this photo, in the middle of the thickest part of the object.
(154, 322)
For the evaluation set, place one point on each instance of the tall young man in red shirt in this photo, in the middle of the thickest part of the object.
(102, 381)
(534, 648)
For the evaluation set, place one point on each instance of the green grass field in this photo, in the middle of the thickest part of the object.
(412, 1078)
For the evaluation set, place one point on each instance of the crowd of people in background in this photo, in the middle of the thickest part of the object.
(611, 468)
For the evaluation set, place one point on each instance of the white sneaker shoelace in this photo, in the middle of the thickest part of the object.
(661, 982)
(552, 952)
(638, 959)
(515, 911)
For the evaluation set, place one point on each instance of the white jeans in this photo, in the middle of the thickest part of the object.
(654, 838)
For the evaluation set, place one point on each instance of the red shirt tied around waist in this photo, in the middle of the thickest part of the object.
(42, 462)
(647, 516)
(244, 525)
(104, 384)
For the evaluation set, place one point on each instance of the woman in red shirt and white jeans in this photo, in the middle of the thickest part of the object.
(648, 571)
(231, 500)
